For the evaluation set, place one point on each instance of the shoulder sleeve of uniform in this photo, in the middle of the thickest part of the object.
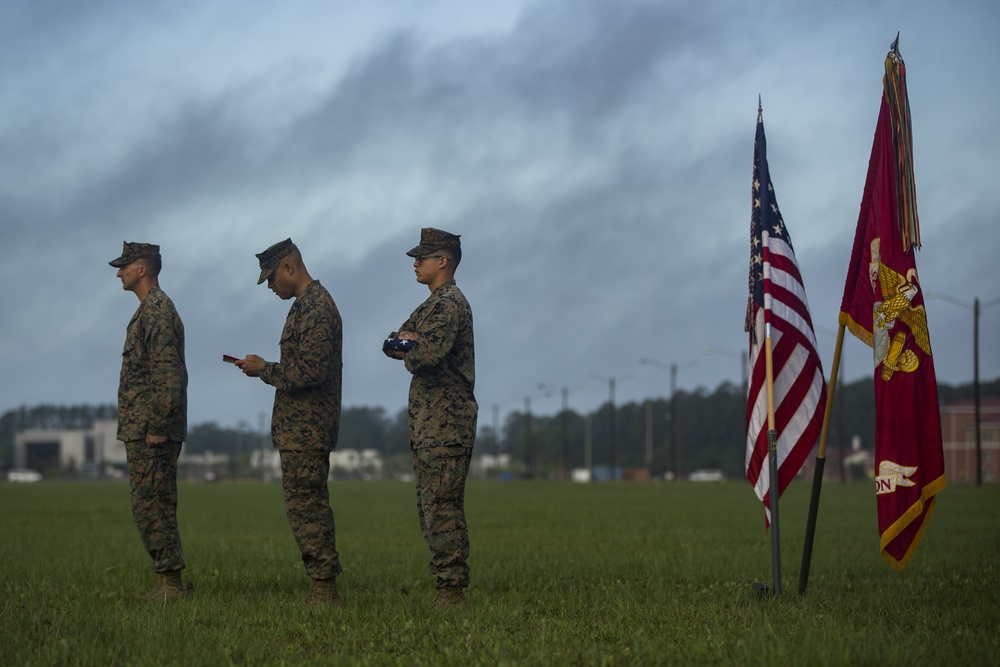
(436, 335)
(319, 331)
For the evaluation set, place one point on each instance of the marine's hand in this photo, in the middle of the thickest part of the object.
(251, 365)
(392, 348)
(154, 440)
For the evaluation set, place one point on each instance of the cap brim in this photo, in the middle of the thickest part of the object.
(419, 250)
(119, 263)
(263, 276)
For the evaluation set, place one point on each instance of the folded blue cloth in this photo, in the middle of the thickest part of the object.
(398, 344)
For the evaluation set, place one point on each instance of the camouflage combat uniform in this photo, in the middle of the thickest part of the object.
(306, 421)
(442, 420)
(152, 399)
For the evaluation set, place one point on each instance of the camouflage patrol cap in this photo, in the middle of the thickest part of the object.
(270, 258)
(434, 239)
(134, 251)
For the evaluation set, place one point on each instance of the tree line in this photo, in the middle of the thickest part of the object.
(700, 429)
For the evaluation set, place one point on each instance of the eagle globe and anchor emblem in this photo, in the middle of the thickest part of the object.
(897, 291)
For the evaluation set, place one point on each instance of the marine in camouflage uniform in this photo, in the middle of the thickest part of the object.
(152, 413)
(442, 408)
(306, 418)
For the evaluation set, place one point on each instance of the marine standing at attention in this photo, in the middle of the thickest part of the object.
(436, 346)
(152, 413)
(306, 418)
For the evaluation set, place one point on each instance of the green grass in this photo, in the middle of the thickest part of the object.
(608, 574)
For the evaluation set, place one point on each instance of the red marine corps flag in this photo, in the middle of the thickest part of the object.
(883, 305)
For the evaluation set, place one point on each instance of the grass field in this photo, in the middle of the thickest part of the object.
(607, 574)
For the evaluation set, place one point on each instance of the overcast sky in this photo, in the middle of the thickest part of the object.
(594, 155)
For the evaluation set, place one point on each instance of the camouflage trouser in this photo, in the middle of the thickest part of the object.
(152, 480)
(307, 504)
(440, 473)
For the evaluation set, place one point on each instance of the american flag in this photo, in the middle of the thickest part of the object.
(777, 303)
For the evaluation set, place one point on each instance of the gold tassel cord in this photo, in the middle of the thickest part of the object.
(902, 139)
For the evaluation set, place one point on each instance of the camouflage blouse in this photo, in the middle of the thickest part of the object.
(307, 380)
(152, 391)
(442, 405)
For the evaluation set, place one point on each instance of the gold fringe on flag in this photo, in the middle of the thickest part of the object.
(902, 138)
(858, 330)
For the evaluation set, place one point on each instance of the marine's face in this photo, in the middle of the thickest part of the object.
(428, 267)
(130, 275)
(280, 283)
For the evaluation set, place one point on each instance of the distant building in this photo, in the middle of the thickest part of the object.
(70, 449)
(345, 463)
(267, 462)
(23, 476)
(707, 475)
(958, 427)
(484, 465)
(635, 474)
(363, 463)
(958, 432)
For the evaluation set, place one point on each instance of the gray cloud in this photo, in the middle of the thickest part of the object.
(595, 157)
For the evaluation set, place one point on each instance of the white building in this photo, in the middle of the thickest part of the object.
(364, 463)
(483, 465)
(47, 449)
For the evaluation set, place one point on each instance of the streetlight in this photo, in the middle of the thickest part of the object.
(612, 424)
(565, 426)
(496, 431)
(742, 356)
(499, 443)
(744, 374)
(673, 368)
(529, 462)
(612, 430)
(649, 436)
(976, 307)
(565, 431)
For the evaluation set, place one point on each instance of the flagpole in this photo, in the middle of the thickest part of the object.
(772, 456)
(820, 465)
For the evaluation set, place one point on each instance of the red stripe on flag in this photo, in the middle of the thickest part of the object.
(778, 298)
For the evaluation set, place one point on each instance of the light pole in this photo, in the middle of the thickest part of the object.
(612, 429)
(649, 436)
(672, 368)
(744, 391)
(976, 307)
(565, 431)
(742, 356)
(545, 391)
(264, 473)
(528, 459)
(612, 425)
(529, 455)
(496, 431)
(500, 444)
